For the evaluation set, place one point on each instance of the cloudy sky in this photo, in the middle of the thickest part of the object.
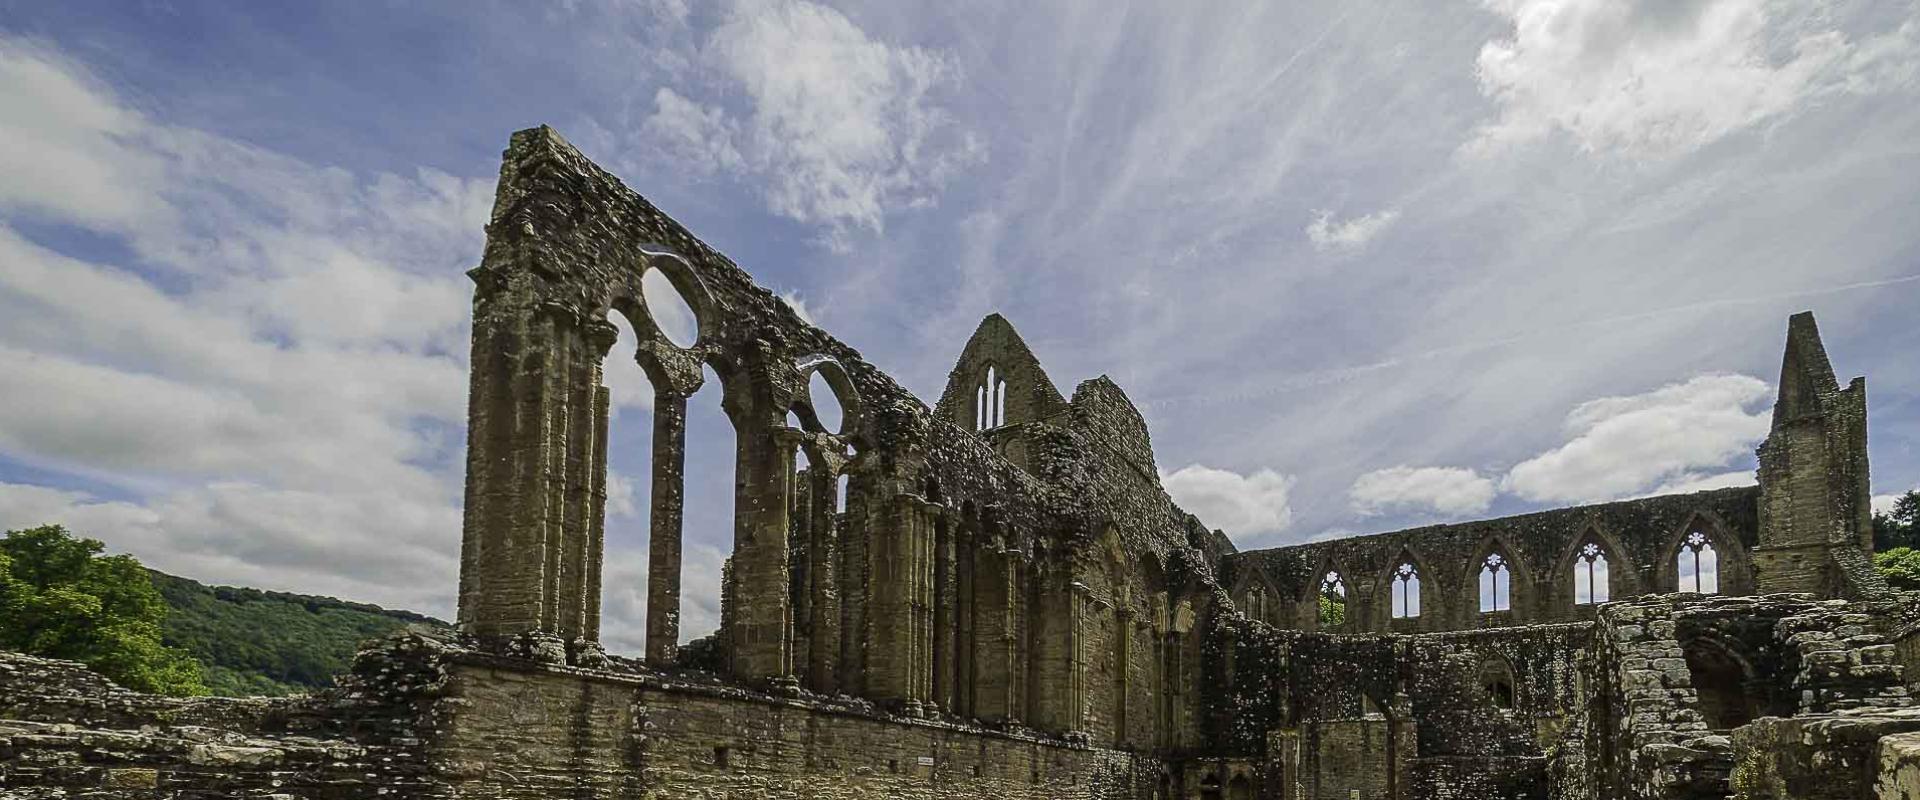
(1362, 265)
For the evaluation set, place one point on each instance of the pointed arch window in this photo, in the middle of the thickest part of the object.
(1333, 600)
(1592, 582)
(1496, 584)
(1406, 591)
(1699, 566)
(990, 402)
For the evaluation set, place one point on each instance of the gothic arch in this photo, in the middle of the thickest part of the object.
(1518, 586)
(1254, 578)
(1432, 605)
(1734, 563)
(1310, 613)
(1623, 574)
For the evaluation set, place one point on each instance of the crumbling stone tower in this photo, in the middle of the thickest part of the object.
(1816, 518)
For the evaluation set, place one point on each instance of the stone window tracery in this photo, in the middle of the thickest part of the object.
(1591, 578)
(1496, 584)
(1406, 591)
(1332, 600)
(1699, 565)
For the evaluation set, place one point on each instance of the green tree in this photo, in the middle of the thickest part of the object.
(1901, 566)
(1899, 527)
(63, 599)
(1333, 610)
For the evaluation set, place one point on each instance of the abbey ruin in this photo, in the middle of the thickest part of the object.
(1003, 601)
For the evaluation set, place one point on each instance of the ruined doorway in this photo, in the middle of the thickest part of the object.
(1723, 682)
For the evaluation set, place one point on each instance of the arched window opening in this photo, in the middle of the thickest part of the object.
(704, 478)
(1699, 566)
(1333, 601)
(1406, 591)
(840, 494)
(670, 311)
(1239, 788)
(825, 402)
(990, 402)
(710, 494)
(1590, 576)
(1496, 585)
(1496, 679)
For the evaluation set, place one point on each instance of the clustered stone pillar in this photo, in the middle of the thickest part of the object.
(536, 466)
(664, 526)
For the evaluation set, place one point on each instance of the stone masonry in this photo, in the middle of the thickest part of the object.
(1004, 602)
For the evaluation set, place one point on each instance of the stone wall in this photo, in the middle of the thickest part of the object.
(516, 732)
(1640, 538)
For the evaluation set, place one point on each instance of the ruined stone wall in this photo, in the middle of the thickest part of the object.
(969, 572)
(537, 733)
(67, 732)
(1640, 537)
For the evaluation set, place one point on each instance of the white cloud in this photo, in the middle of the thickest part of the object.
(841, 129)
(1247, 506)
(1353, 233)
(1448, 491)
(1654, 77)
(1883, 503)
(276, 389)
(1621, 446)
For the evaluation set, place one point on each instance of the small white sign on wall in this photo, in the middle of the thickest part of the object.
(926, 761)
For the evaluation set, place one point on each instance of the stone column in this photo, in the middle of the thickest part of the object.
(666, 508)
(760, 645)
(823, 558)
(945, 654)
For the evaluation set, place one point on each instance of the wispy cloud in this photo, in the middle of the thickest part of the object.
(1326, 234)
(1651, 77)
(839, 128)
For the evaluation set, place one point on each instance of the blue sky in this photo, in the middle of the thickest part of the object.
(1361, 266)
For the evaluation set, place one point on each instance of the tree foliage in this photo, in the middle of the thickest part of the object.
(61, 598)
(1901, 566)
(1899, 527)
(1333, 611)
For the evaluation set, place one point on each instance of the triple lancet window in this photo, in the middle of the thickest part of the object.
(990, 403)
